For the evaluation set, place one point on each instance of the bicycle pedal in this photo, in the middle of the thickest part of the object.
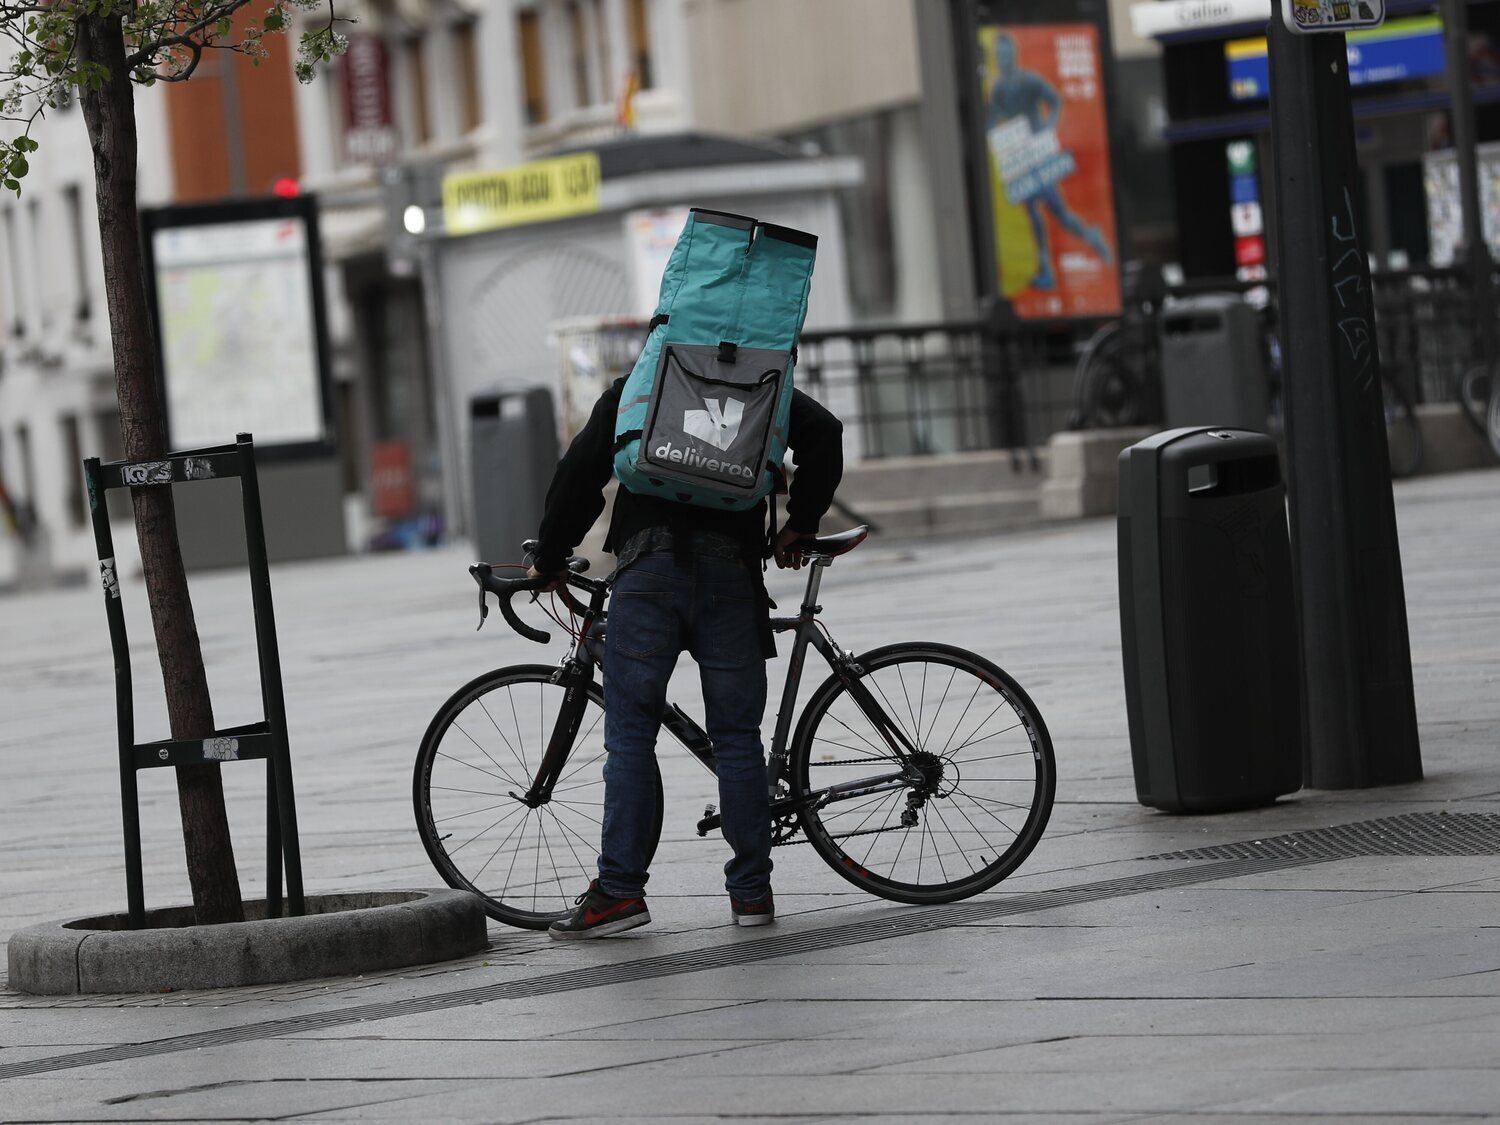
(710, 821)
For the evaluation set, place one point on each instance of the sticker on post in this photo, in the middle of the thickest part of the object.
(1307, 17)
(147, 472)
(198, 468)
(110, 576)
(221, 749)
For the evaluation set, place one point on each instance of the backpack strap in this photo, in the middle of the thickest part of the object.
(657, 321)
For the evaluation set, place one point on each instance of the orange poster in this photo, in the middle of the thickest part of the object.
(1053, 199)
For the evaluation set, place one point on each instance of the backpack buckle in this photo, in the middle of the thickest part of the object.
(728, 352)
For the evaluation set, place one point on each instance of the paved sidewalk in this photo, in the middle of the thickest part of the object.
(1351, 974)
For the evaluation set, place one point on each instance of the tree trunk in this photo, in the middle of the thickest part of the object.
(109, 113)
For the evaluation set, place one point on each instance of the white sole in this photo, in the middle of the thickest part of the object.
(753, 919)
(601, 931)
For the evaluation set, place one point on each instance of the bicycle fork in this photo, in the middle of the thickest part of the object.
(575, 678)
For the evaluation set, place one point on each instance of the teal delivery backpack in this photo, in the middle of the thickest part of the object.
(704, 413)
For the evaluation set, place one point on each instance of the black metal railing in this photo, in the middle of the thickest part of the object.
(900, 390)
(1428, 337)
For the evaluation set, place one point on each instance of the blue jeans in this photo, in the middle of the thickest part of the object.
(658, 610)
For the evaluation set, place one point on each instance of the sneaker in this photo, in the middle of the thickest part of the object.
(761, 912)
(598, 914)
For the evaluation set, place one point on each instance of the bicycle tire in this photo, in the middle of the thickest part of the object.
(1494, 424)
(1403, 432)
(840, 756)
(549, 850)
(1474, 397)
(1113, 388)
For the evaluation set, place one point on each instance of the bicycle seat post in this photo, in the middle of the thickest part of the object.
(814, 580)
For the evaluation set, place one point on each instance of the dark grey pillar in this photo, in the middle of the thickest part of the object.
(1361, 715)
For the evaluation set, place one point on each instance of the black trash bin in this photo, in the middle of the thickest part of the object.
(1213, 368)
(1207, 621)
(512, 452)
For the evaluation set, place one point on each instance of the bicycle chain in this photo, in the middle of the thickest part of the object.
(845, 835)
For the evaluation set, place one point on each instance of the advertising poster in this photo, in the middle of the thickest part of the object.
(238, 337)
(1445, 211)
(1052, 194)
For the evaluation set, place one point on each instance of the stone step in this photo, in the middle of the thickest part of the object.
(917, 478)
(964, 513)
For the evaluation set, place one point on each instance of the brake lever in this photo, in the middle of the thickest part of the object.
(484, 610)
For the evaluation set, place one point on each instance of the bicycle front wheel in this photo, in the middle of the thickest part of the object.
(986, 762)
(477, 761)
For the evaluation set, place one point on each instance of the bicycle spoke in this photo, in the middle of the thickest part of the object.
(471, 792)
(567, 839)
(498, 777)
(519, 760)
(915, 725)
(938, 710)
(482, 831)
(977, 685)
(943, 820)
(471, 812)
(1027, 752)
(880, 751)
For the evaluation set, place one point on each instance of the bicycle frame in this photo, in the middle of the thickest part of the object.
(577, 672)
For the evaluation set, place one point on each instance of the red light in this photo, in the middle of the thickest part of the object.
(287, 188)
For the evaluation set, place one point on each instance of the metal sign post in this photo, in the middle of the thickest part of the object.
(1360, 711)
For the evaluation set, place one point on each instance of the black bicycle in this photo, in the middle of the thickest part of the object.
(1118, 382)
(920, 772)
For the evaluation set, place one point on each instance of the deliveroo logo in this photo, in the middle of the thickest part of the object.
(717, 425)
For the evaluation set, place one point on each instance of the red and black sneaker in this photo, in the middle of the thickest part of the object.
(761, 912)
(598, 915)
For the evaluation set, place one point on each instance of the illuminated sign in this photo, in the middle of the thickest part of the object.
(1401, 50)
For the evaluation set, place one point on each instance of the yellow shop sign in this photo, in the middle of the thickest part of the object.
(529, 193)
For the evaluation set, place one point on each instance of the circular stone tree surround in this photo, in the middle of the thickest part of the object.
(340, 934)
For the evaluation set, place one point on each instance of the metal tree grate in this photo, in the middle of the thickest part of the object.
(1410, 834)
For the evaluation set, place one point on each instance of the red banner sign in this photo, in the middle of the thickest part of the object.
(369, 127)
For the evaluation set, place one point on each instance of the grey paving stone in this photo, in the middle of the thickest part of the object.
(1341, 990)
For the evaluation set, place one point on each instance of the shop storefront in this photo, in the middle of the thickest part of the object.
(1217, 79)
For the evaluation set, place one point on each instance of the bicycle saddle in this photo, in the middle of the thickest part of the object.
(832, 545)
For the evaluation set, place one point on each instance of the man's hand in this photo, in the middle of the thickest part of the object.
(785, 549)
(555, 581)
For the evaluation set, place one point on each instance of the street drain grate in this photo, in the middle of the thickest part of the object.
(1411, 834)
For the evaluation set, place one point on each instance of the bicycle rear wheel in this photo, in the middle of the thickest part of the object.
(1108, 388)
(1474, 396)
(988, 775)
(1402, 431)
(477, 760)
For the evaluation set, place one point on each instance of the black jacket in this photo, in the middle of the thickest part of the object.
(576, 495)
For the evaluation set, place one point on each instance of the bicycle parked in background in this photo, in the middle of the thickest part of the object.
(920, 772)
(1118, 380)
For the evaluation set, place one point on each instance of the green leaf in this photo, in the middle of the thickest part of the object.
(18, 166)
(13, 185)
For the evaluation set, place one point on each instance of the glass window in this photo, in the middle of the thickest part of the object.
(466, 59)
(416, 76)
(38, 262)
(72, 468)
(578, 35)
(601, 43)
(640, 43)
(532, 72)
(73, 206)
